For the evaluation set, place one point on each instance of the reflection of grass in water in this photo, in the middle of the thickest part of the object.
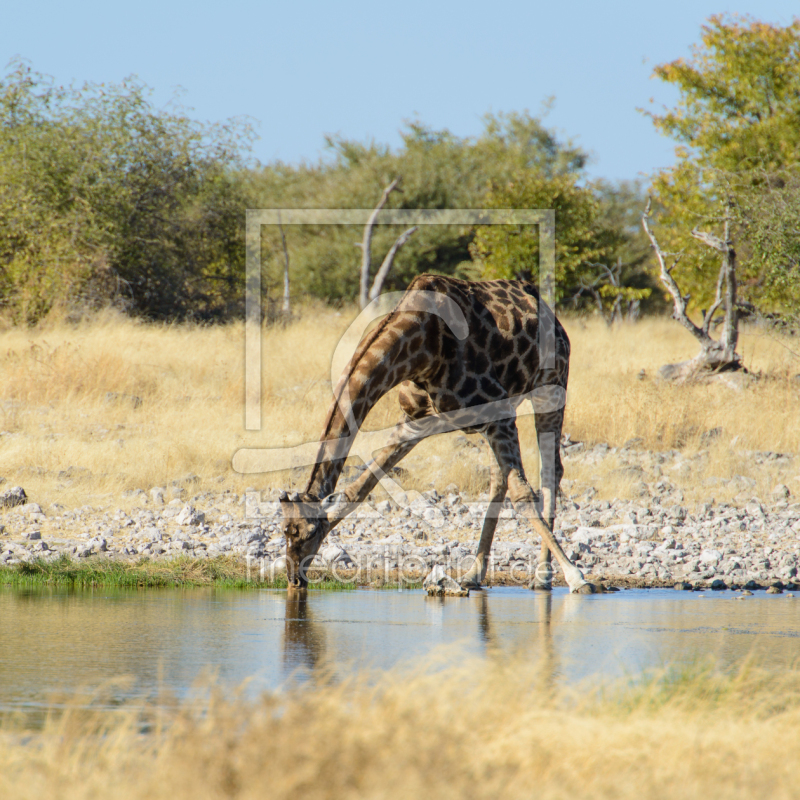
(491, 728)
(224, 573)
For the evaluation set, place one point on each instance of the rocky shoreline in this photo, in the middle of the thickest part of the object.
(656, 540)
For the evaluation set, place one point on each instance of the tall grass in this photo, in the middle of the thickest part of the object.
(498, 728)
(89, 411)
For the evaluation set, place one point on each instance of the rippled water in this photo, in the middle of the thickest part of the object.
(57, 642)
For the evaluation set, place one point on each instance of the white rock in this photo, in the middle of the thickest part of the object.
(588, 535)
(395, 538)
(277, 567)
(331, 554)
(710, 556)
(439, 582)
(190, 516)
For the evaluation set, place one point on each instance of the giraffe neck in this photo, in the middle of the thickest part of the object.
(379, 363)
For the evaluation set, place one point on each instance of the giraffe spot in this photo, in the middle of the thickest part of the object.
(415, 343)
(449, 347)
(439, 374)
(469, 386)
(501, 294)
(378, 375)
(368, 361)
(514, 378)
(481, 363)
(503, 322)
(417, 363)
(433, 340)
(480, 336)
(447, 401)
(523, 345)
(491, 389)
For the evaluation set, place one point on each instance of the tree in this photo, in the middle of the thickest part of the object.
(737, 127)
(440, 170)
(715, 356)
(366, 293)
(505, 251)
(105, 199)
(593, 225)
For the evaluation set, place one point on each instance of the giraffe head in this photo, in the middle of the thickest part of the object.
(304, 528)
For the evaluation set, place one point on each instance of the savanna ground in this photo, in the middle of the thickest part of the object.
(89, 411)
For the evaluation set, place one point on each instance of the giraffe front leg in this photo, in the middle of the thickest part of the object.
(402, 443)
(497, 493)
(506, 446)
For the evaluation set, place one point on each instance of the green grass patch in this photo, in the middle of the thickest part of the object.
(221, 572)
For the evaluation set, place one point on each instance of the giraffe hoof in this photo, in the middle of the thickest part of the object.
(472, 585)
(541, 586)
(585, 588)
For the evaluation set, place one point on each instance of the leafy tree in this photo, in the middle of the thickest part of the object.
(737, 124)
(104, 198)
(438, 170)
(594, 229)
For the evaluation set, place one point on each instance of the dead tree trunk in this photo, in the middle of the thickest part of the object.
(366, 244)
(715, 356)
(287, 300)
(380, 277)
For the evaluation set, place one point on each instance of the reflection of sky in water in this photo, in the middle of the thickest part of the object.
(52, 640)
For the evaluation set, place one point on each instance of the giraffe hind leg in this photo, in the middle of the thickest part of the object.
(497, 493)
(548, 434)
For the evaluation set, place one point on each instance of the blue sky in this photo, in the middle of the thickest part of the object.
(361, 69)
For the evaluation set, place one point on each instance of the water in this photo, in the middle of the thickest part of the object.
(58, 642)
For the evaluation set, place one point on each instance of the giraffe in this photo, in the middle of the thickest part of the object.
(494, 363)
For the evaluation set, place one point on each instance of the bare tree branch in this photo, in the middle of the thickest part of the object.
(380, 277)
(727, 276)
(717, 298)
(287, 303)
(710, 240)
(714, 356)
(366, 245)
(679, 301)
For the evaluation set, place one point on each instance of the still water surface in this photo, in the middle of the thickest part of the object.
(59, 642)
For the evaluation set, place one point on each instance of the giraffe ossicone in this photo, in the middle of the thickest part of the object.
(464, 355)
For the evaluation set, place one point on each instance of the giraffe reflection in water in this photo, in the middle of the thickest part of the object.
(304, 643)
(541, 649)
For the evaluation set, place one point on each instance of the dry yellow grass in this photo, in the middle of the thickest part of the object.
(497, 728)
(71, 432)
